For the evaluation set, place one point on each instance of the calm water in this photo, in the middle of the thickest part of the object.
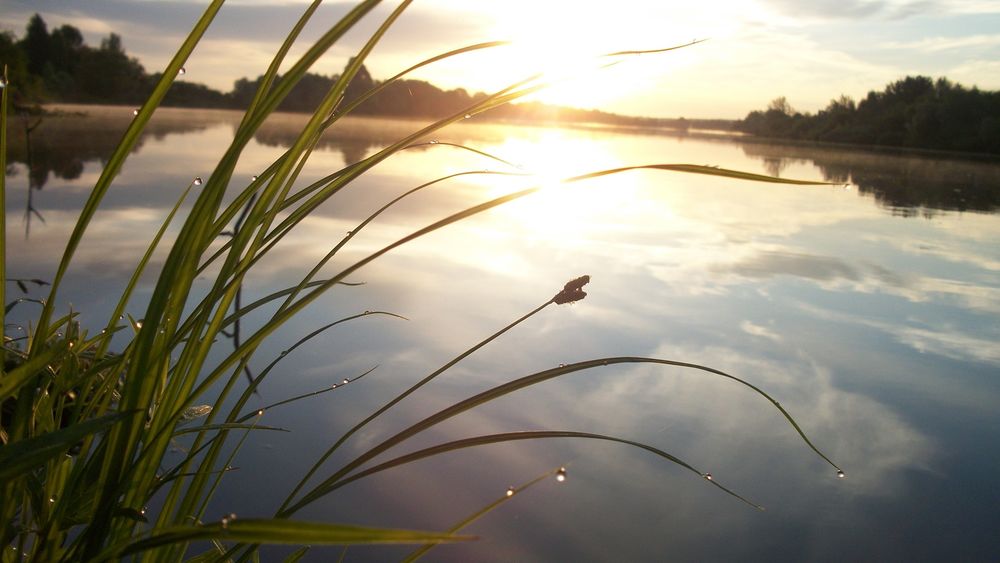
(869, 310)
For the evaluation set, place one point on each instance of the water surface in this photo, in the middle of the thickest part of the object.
(868, 309)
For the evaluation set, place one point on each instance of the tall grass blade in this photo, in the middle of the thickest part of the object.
(24, 455)
(286, 532)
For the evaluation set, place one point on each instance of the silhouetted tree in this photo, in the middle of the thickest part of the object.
(914, 112)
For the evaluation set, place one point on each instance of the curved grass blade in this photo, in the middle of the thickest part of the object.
(417, 554)
(121, 152)
(18, 458)
(285, 532)
(527, 435)
(22, 374)
(326, 455)
(507, 388)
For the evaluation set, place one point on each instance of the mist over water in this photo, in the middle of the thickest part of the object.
(867, 309)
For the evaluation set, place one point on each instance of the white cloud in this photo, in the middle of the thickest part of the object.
(937, 44)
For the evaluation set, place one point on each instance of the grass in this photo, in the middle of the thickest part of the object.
(85, 428)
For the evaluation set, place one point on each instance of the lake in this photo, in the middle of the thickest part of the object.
(868, 308)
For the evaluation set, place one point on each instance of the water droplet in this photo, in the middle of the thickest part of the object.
(104, 331)
(562, 365)
(510, 491)
(434, 142)
(198, 181)
(840, 474)
(367, 312)
(561, 474)
(70, 344)
(260, 412)
(59, 335)
(52, 499)
(468, 115)
(334, 386)
(284, 352)
(135, 112)
(345, 382)
(3, 82)
(227, 519)
(349, 233)
(182, 71)
(138, 324)
(71, 394)
(708, 476)
(253, 178)
(142, 511)
(120, 317)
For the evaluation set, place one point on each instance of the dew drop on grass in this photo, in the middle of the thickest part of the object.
(227, 519)
(334, 386)
(182, 71)
(3, 82)
(561, 474)
(253, 178)
(345, 382)
(198, 181)
(434, 142)
(510, 491)
(70, 344)
(135, 112)
(260, 412)
(562, 365)
(468, 115)
(840, 474)
(138, 324)
(708, 476)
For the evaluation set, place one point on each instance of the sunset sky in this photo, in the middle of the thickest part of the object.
(757, 50)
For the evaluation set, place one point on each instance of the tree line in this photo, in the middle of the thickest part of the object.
(915, 112)
(58, 66)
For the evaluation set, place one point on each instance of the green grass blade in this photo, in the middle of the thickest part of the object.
(286, 532)
(22, 374)
(25, 455)
(507, 388)
(420, 552)
(117, 159)
(3, 221)
(413, 388)
(527, 435)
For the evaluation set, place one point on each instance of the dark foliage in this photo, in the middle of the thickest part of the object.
(915, 112)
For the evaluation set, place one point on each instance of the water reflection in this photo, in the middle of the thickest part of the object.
(875, 332)
(908, 185)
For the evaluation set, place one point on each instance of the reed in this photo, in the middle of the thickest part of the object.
(86, 425)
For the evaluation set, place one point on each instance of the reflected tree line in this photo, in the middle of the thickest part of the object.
(907, 185)
(915, 112)
(58, 66)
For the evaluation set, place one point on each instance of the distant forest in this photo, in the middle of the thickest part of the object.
(915, 112)
(58, 66)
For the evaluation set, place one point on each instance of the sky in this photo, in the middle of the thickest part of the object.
(754, 50)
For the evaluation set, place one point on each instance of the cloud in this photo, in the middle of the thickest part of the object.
(761, 331)
(938, 44)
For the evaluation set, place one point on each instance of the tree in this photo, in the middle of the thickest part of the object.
(36, 45)
(781, 105)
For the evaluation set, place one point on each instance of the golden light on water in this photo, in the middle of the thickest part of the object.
(564, 210)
